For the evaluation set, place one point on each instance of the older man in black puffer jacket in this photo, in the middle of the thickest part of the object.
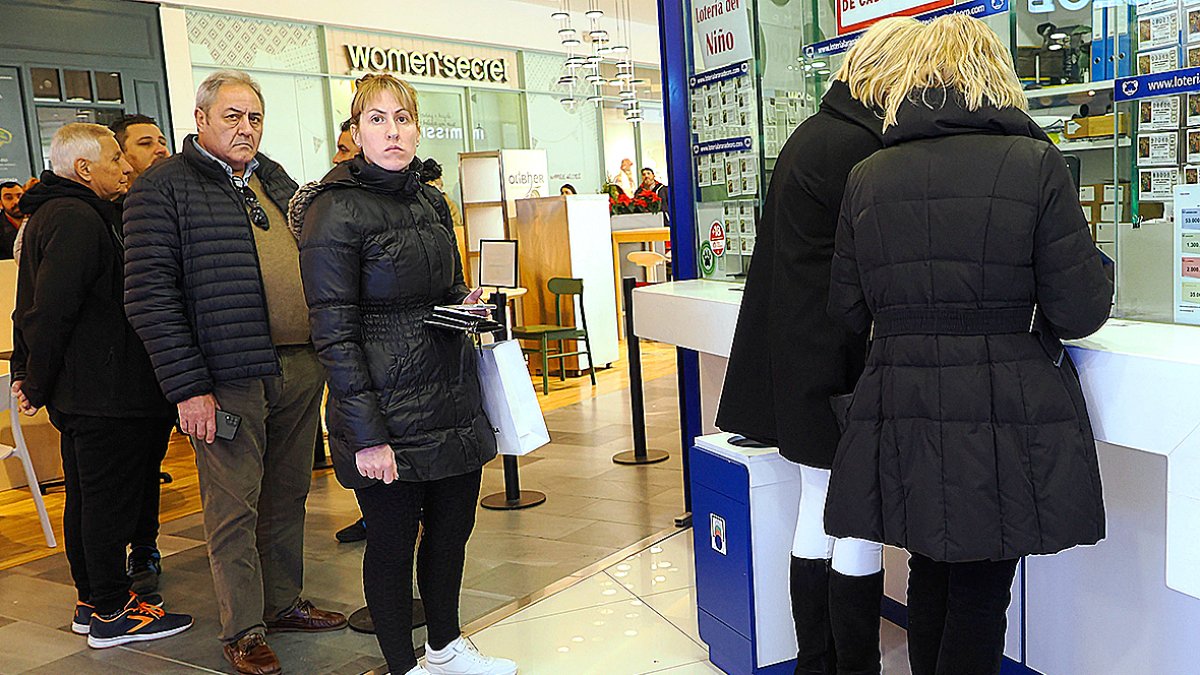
(212, 286)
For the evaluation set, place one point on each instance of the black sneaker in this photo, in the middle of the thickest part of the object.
(354, 532)
(82, 620)
(138, 622)
(144, 567)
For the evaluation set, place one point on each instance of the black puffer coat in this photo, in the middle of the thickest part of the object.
(377, 253)
(193, 286)
(789, 356)
(72, 344)
(967, 447)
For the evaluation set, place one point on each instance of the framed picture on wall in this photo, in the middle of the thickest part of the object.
(498, 263)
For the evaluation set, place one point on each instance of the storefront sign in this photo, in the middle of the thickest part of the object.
(525, 176)
(856, 15)
(357, 53)
(976, 9)
(14, 144)
(721, 30)
(429, 64)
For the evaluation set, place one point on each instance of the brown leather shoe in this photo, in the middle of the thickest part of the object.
(304, 618)
(251, 656)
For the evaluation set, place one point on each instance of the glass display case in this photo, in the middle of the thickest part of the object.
(1115, 85)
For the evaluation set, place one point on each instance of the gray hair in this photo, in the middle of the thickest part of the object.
(77, 140)
(206, 95)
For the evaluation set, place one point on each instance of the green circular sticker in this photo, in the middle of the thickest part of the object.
(708, 259)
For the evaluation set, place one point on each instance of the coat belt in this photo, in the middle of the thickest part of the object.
(945, 321)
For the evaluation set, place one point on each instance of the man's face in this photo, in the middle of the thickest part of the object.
(647, 178)
(8, 199)
(626, 165)
(145, 144)
(346, 147)
(231, 128)
(107, 176)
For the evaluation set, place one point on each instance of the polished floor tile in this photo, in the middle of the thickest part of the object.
(666, 566)
(678, 607)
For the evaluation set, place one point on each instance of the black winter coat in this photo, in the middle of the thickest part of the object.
(789, 356)
(377, 253)
(193, 286)
(967, 446)
(72, 345)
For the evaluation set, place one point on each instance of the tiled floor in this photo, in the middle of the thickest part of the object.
(637, 616)
(594, 509)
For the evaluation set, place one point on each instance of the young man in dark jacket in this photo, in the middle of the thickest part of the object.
(76, 354)
(212, 285)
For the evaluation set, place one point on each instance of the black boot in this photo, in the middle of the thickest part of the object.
(854, 616)
(810, 612)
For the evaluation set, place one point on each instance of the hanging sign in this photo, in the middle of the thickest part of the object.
(977, 9)
(856, 15)
(721, 32)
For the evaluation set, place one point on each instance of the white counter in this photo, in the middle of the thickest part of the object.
(1127, 605)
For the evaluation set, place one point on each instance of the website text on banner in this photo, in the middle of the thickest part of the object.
(1157, 84)
(977, 9)
(856, 15)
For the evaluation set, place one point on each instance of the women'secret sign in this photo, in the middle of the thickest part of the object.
(855, 15)
(721, 32)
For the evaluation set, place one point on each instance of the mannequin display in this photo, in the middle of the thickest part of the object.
(780, 379)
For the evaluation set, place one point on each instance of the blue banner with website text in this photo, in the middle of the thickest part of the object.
(976, 9)
(1158, 84)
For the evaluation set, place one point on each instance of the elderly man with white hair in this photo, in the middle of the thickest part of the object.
(212, 285)
(76, 355)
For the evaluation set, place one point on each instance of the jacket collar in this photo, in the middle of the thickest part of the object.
(51, 186)
(218, 170)
(935, 113)
(359, 173)
(840, 104)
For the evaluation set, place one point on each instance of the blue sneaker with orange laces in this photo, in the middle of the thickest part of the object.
(81, 623)
(137, 622)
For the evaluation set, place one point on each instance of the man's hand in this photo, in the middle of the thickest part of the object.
(23, 405)
(198, 417)
(378, 462)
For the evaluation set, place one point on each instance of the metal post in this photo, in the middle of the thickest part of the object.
(637, 398)
(513, 496)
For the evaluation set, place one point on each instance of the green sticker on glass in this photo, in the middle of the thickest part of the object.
(708, 259)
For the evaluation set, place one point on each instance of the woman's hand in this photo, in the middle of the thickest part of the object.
(377, 462)
(473, 298)
(23, 405)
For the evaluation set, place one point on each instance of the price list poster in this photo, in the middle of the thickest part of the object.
(1187, 254)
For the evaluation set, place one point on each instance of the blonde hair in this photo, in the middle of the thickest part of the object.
(961, 54)
(78, 140)
(371, 86)
(878, 59)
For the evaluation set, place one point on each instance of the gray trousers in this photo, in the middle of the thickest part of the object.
(253, 490)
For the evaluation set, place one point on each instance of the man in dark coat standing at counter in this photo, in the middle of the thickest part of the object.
(76, 354)
(212, 285)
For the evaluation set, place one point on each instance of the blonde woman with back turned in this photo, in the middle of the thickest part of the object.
(962, 246)
(789, 357)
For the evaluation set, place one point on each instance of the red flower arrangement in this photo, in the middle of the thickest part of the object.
(643, 201)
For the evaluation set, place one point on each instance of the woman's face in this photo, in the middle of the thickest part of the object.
(387, 132)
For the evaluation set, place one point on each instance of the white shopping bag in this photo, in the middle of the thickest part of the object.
(509, 400)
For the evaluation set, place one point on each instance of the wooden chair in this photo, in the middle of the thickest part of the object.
(21, 452)
(544, 334)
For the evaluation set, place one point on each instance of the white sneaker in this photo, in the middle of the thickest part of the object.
(461, 658)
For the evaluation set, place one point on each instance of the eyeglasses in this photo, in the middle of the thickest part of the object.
(258, 216)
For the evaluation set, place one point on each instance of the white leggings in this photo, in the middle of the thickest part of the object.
(851, 557)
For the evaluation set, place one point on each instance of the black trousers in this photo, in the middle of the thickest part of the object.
(393, 513)
(145, 530)
(106, 461)
(957, 615)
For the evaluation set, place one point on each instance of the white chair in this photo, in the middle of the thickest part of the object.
(649, 261)
(21, 451)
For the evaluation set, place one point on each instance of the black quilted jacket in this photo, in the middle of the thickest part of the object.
(193, 287)
(967, 447)
(377, 253)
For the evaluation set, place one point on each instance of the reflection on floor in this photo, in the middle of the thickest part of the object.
(637, 616)
(594, 509)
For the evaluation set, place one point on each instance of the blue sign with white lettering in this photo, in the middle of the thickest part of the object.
(1158, 84)
(720, 74)
(724, 145)
(976, 9)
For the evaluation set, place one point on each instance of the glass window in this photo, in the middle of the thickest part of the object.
(51, 118)
(46, 86)
(571, 138)
(498, 118)
(443, 132)
(108, 87)
(78, 84)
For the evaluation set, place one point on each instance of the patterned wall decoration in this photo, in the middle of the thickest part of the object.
(244, 42)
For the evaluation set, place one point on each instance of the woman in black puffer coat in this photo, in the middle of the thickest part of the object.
(406, 424)
(968, 441)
